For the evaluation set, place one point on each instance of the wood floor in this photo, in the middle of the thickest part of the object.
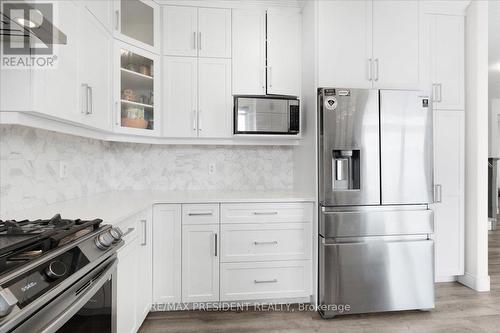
(458, 309)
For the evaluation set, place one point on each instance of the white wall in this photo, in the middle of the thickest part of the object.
(476, 148)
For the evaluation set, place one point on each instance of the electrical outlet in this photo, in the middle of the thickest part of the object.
(63, 170)
(212, 170)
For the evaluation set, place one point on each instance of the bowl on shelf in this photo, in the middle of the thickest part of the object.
(134, 123)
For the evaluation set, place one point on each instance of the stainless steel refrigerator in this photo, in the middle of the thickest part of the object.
(375, 185)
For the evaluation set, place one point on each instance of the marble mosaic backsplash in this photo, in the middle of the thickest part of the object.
(30, 161)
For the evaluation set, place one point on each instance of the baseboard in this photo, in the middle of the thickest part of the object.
(451, 278)
(478, 283)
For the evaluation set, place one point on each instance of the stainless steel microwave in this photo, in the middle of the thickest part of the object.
(266, 115)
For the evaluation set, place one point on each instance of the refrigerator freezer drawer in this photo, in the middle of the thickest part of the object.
(376, 276)
(376, 222)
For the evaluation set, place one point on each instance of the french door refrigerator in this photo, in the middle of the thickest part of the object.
(375, 185)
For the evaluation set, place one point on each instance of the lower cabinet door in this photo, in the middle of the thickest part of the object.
(266, 280)
(167, 254)
(127, 291)
(145, 268)
(200, 263)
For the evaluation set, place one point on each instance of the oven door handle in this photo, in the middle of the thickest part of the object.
(85, 295)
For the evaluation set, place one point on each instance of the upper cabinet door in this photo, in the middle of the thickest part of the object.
(103, 11)
(95, 71)
(214, 32)
(180, 31)
(283, 52)
(214, 103)
(249, 52)
(345, 43)
(180, 75)
(447, 61)
(396, 44)
(137, 22)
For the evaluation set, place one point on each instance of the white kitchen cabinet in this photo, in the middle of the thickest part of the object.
(56, 91)
(396, 44)
(283, 52)
(266, 241)
(167, 233)
(266, 280)
(214, 35)
(127, 288)
(345, 43)
(94, 72)
(138, 22)
(447, 61)
(102, 10)
(134, 272)
(249, 52)
(137, 74)
(214, 98)
(191, 31)
(200, 263)
(369, 44)
(180, 31)
(449, 197)
(198, 97)
(128, 277)
(180, 77)
(145, 267)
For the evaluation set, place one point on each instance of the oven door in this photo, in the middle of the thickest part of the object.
(86, 306)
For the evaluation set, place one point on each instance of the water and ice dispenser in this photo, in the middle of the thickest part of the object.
(345, 170)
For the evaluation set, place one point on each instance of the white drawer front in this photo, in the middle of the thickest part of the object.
(261, 242)
(200, 214)
(266, 212)
(265, 280)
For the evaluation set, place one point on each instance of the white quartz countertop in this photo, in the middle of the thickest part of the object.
(113, 207)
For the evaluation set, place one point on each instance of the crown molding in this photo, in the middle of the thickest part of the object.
(235, 3)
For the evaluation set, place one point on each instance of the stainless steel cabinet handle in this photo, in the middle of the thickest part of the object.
(434, 94)
(200, 214)
(194, 40)
(376, 69)
(370, 69)
(144, 234)
(199, 121)
(194, 120)
(117, 20)
(118, 115)
(266, 281)
(85, 98)
(199, 41)
(216, 245)
(266, 243)
(440, 89)
(438, 194)
(265, 213)
(90, 96)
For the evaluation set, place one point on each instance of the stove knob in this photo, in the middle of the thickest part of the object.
(56, 269)
(7, 302)
(116, 233)
(104, 241)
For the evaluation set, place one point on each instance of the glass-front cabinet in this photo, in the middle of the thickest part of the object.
(137, 83)
(138, 22)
